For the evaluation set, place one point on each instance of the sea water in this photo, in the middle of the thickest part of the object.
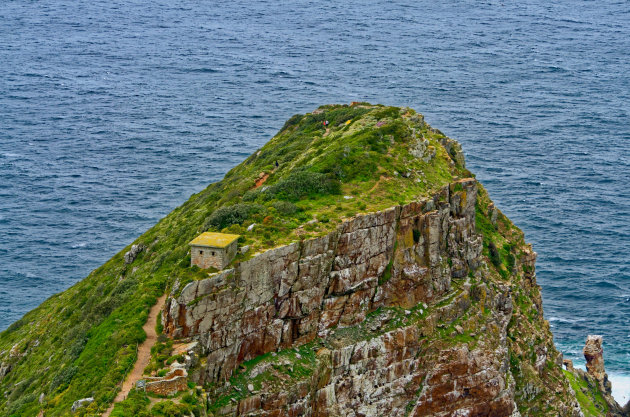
(113, 112)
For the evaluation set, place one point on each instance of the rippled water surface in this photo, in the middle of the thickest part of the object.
(112, 113)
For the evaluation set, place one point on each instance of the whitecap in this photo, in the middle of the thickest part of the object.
(563, 320)
(620, 387)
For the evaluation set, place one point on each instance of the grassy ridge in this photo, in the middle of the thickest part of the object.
(82, 342)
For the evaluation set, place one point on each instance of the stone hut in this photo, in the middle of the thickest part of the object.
(213, 250)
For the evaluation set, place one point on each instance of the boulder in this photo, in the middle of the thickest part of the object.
(81, 403)
(4, 369)
(131, 255)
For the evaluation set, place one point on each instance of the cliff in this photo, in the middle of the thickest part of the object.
(376, 277)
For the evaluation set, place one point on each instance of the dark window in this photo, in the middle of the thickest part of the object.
(200, 252)
(212, 253)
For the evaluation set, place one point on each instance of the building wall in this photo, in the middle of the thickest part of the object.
(205, 257)
(230, 252)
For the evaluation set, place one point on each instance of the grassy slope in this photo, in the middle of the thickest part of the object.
(82, 342)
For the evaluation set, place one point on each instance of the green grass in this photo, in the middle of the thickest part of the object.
(590, 398)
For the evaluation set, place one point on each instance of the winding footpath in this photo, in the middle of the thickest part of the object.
(144, 354)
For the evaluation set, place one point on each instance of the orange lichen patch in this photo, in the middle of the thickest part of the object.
(214, 240)
(261, 179)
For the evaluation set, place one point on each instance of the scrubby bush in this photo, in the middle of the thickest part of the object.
(285, 207)
(189, 399)
(495, 256)
(134, 405)
(63, 378)
(293, 120)
(301, 184)
(234, 214)
(21, 402)
(170, 409)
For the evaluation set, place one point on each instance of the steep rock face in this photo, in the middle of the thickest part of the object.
(403, 257)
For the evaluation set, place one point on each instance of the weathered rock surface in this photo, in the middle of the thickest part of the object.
(293, 294)
(131, 255)
(5, 368)
(594, 355)
(81, 403)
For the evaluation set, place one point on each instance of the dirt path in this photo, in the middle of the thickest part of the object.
(144, 354)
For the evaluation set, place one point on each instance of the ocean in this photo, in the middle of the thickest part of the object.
(113, 112)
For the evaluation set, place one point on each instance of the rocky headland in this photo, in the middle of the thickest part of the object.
(375, 278)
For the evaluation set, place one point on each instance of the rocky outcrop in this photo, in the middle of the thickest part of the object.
(428, 308)
(81, 403)
(5, 368)
(402, 257)
(132, 253)
(291, 295)
(594, 355)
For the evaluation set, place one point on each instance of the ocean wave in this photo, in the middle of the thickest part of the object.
(620, 387)
(564, 320)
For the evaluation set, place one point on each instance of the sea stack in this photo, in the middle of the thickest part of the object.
(594, 355)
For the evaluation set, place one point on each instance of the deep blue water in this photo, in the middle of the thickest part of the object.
(113, 112)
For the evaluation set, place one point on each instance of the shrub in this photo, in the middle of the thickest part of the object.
(495, 256)
(21, 402)
(301, 184)
(77, 347)
(170, 409)
(134, 405)
(234, 214)
(294, 120)
(251, 195)
(189, 399)
(285, 207)
(125, 287)
(63, 378)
